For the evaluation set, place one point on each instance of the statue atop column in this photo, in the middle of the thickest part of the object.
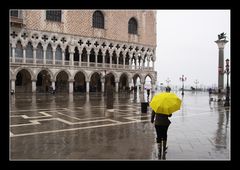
(222, 36)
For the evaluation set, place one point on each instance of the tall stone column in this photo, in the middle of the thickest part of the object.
(221, 44)
(87, 86)
(24, 55)
(13, 54)
(111, 60)
(124, 62)
(153, 86)
(34, 85)
(63, 57)
(103, 84)
(53, 84)
(117, 60)
(71, 59)
(88, 59)
(80, 59)
(13, 84)
(44, 56)
(54, 54)
(70, 86)
(96, 60)
(142, 86)
(103, 57)
(34, 55)
(116, 86)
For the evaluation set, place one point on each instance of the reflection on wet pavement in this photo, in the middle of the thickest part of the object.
(79, 127)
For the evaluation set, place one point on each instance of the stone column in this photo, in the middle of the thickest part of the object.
(153, 64)
(130, 63)
(34, 55)
(71, 58)
(142, 86)
(24, 55)
(116, 86)
(87, 86)
(110, 60)
(117, 60)
(148, 61)
(153, 86)
(71, 86)
(221, 44)
(54, 52)
(124, 62)
(143, 64)
(63, 57)
(80, 59)
(103, 59)
(34, 85)
(44, 56)
(53, 84)
(88, 59)
(135, 63)
(103, 84)
(95, 59)
(13, 84)
(13, 54)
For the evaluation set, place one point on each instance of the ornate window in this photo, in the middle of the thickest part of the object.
(132, 26)
(58, 53)
(49, 53)
(39, 51)
(19, 50)
(14, 13)
(98, 19)
(29, 50)
(54, 15)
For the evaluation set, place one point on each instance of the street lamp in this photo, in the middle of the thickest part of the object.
(182, 79)
(227, 94)
(196, 82)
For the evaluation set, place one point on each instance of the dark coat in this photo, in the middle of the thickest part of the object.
(161, 119)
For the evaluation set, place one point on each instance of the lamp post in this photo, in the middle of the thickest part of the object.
(196, 82)
(227, 94)
(182, 79)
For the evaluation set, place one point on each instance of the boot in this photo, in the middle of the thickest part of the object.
(159, 149)
(165, 146)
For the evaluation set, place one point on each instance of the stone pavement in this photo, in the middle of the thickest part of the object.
(78, 127)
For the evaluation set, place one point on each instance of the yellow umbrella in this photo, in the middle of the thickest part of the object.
(165, 103)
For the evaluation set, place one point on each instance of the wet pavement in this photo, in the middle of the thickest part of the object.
(79, 127)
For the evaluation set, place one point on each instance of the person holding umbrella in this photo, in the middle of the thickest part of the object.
(163, 105)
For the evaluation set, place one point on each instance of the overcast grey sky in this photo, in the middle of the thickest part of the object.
(185, 45)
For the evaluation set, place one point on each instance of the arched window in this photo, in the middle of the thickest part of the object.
(29, 50)
(54, 15)
(39, 51)
(19, 50)
(132, 26)
(58, 53)
(49, 53)
(14, 13)
(98, 19)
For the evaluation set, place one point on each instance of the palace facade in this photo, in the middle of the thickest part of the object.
(81, 50)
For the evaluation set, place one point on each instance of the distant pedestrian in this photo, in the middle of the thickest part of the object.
(161, 126)
(210, 91)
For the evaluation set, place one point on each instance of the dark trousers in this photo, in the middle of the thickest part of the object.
(161, 132)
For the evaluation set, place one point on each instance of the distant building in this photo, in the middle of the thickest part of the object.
(81, 50)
